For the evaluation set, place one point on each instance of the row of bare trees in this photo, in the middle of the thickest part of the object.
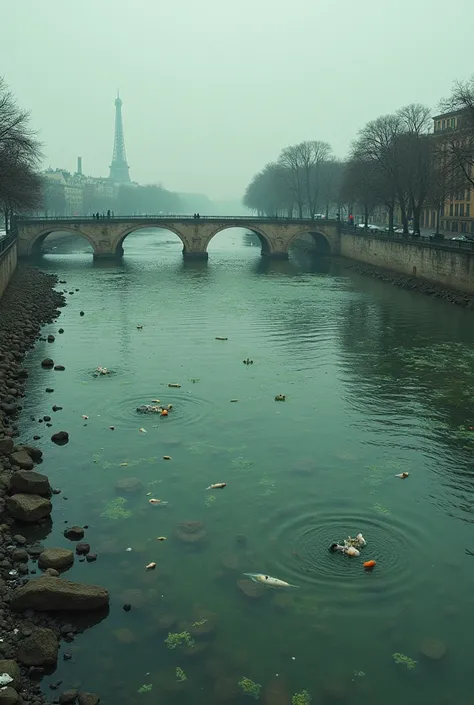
(303, 182)
(20, 154)
(396, 162)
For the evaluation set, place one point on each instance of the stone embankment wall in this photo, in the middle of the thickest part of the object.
(8, 262)
(447, 267)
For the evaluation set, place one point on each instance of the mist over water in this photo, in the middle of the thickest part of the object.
(377, 381)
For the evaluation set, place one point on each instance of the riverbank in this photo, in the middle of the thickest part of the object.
(29, 636)
(412, 283)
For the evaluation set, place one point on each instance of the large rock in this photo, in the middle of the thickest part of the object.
(28, 507)
(35, 453)
(8, 696)
(22, 459)
(59, 558)
(39, 649)
(30, 482)
(54, 594)
(12, 669)
(6, 446)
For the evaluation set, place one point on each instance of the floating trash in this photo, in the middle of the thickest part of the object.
(268, 580)
(150, 566)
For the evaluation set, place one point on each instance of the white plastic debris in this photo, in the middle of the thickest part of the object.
(5, 679)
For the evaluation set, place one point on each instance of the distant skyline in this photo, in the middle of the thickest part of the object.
(212, 91)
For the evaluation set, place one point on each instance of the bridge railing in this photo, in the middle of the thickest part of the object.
(169, 216)
(410, 239)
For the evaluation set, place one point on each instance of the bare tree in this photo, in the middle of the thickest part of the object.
(20, 152)
(269, 193)
(304, 164)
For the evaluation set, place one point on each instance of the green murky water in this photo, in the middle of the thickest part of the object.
(377, 380)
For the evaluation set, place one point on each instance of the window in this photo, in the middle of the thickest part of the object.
(451, 209)
(461, 209)
(444, 124)
(464, 227)
(468, 210)
(456, 209)
(442, 209)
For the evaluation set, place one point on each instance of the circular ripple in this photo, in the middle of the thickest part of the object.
(187, 409)
(302, 538)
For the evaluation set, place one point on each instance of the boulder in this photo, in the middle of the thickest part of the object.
(8, 696)
(60, 438)
(52, 572)
(47, 363)
(68, 697)
(30, 482)
(74, 533)
(28, 507)
(22, 459)
(12, 669)
(58, 558)
(82, 549)
(6, 446)
(88, 699)
(35, 454)
(39, 649)
(54, 594)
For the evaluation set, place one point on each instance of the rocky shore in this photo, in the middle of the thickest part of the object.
(31, 625)
(411, 283)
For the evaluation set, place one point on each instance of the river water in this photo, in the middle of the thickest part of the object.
(377, 381)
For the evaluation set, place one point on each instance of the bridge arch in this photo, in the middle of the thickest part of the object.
(35, 244)
(322, 240)
(265, 241)
(117, 244)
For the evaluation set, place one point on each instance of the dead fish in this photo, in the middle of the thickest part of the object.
(217, 486)
(150, 566)
(268, 580)
(157, 501)
(161, 538)
(403, 475)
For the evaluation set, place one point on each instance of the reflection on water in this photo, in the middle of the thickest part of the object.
(377, 380)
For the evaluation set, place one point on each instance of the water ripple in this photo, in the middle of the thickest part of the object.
(303, 536)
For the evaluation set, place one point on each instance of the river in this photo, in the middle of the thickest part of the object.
(377, 380)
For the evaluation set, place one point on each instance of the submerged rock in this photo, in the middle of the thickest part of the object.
(433, 648)
(250, 588)
(129, 485)
(191, 532)
(54, 594)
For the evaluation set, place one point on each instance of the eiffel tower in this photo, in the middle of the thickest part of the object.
(119, 167)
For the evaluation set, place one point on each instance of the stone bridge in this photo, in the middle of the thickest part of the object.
(106, 236)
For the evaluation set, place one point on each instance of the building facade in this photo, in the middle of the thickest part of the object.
(457, 211)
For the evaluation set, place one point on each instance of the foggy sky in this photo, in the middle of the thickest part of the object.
(213, 89)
